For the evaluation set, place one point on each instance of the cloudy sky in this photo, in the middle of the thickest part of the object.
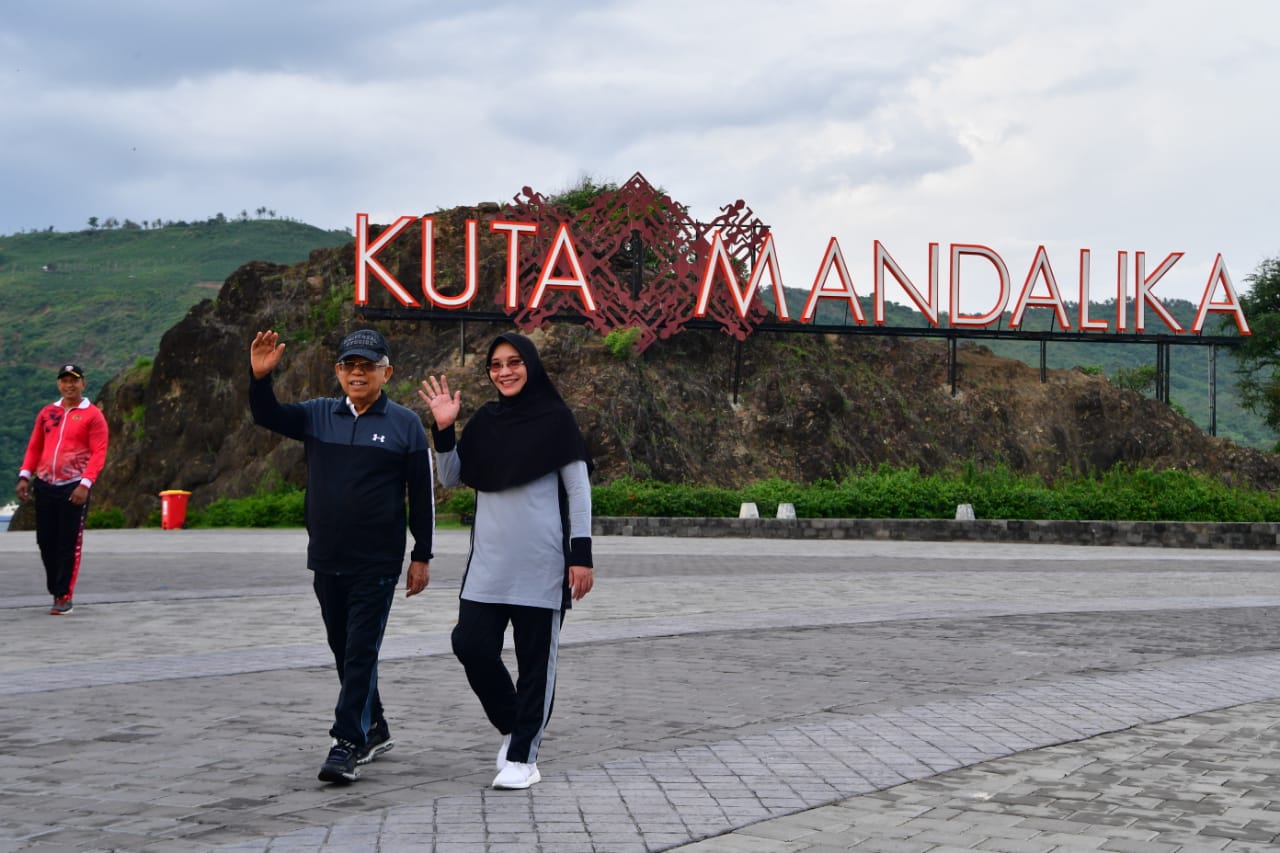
(1141, 125)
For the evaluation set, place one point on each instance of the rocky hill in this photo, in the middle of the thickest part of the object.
(807, 406)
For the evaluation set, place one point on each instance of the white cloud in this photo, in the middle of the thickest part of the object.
(1137, 126)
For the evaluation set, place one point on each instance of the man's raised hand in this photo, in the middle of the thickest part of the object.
(264, 353)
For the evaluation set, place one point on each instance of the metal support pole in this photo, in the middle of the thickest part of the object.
(1168, 368)
(1160, 372)
(951, 364)
(1044, 350)
(1213, 389)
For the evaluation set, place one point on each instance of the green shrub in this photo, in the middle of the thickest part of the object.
(140, 370)
(275, 509)
(581, 195)
(110, 518)
(621, 342)
(461, 502)
(1138, 379)
(135, 417)
(627, 497)
(767, 494)
(883, 492)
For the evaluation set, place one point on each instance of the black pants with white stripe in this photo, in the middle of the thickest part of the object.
(59, 534)
(521, 708)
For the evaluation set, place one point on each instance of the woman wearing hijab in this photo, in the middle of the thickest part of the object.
(530, 543)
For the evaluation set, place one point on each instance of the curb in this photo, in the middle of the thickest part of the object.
(1159, 534)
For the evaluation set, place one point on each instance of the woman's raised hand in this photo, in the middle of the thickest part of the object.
(444, 406)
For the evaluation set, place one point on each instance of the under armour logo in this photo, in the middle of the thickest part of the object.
(381, 438)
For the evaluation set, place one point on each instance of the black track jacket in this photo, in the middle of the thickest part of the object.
(359, 472)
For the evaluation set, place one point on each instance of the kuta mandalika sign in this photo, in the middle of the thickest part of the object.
(636, 259)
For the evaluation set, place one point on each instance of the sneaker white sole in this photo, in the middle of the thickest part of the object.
(533, 779)
(376, 751)
(337, 776)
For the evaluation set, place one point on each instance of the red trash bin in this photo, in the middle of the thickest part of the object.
(173, 509)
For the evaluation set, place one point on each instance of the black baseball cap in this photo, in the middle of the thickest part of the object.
(366, 343)
(71, 370)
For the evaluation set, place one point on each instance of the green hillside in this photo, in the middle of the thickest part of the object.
(1188, 380)
(1189, 368)
(103, 298)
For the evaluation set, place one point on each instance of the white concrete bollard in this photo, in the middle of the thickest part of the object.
(748, 510)
(964, 512)
(787, 511)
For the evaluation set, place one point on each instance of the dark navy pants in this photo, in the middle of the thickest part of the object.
(355, 610)
(59, 534)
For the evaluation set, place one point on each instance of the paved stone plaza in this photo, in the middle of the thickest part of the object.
(716, 696)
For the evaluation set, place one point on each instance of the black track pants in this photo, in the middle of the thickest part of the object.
(520, 709)
(59, 534)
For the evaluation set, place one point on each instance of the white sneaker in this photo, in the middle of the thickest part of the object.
(516, 776)
(502, 753)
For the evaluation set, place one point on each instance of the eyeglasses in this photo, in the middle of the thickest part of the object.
(363, 366)
(512, 363)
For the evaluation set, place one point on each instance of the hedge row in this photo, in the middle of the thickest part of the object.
(1118, 495)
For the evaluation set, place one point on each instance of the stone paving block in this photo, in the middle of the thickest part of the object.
(778, 830)
(1136, 832)
(1240, 833)
(1126, 845)
(1107, 819)
(890, 845)
(1248, 847)
(951, 840)
(1068, 842)
(838, 846)
(736, 844)
(1248, 815)
(1033, 845)
(999, 832)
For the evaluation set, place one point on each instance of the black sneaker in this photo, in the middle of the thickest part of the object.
(61, 606)
(376, 742)
(340, 766)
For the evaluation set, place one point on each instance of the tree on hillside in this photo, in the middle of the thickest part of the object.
(1258, 358)
(1138, 379)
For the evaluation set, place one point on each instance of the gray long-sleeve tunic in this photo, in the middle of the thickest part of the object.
(518, 536)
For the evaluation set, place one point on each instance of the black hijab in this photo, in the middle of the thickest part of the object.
(515, 440)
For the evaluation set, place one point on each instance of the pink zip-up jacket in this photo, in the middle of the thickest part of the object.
(67, 446)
